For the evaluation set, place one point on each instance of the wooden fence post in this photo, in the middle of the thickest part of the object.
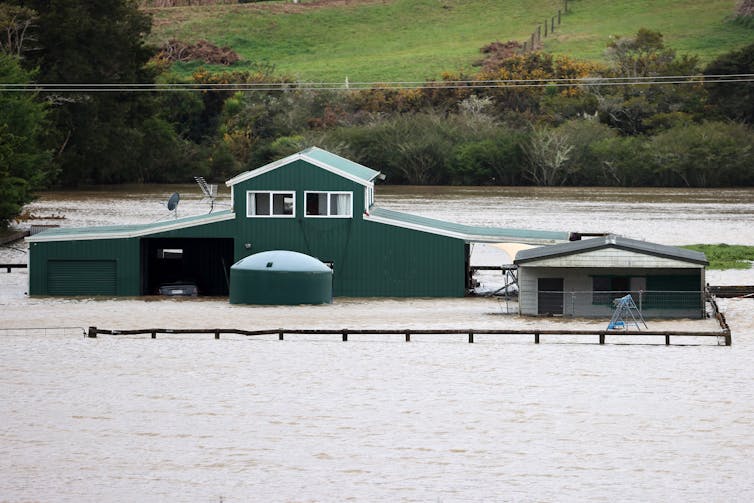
(471, 337)
(280, 335)
(217, 334)
(154, 334)
(552, 29)
(408, 335)
(558, 17)
(565, 5)
(546, 28)
(345, 335)
(92, 333)
(536, 337)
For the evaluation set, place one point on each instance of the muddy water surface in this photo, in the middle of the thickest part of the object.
(189, 418)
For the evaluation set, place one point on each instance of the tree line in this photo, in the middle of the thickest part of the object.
(696, 134)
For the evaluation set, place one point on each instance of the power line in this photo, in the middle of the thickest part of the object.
(390, 85)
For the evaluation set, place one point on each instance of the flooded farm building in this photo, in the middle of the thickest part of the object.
(582, 278)
(313, 202)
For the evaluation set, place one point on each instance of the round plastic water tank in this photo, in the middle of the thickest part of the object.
(280, 277)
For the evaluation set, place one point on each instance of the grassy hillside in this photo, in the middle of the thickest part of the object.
(418, 39)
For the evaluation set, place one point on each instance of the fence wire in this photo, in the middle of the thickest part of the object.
(603, 303)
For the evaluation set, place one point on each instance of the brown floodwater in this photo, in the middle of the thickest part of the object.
(189, 418)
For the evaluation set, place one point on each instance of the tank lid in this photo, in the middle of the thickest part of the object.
(281, 260)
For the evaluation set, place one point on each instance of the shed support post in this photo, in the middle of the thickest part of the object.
(92, 333)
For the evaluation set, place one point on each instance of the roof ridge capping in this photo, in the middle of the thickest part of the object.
(611, 241)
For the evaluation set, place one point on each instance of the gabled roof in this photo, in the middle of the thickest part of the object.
(611, 241)
(321, 158)
(128, 231)
(468, 233)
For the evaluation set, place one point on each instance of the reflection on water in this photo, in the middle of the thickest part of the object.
(186, 418)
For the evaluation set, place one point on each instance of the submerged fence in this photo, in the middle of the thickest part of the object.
(622, 336)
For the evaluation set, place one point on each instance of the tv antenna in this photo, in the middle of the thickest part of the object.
(172, 203)
(209, 191)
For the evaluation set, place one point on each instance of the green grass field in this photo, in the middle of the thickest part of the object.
(724, 256)
(409, 40)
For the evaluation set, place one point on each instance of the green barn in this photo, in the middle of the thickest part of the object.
(313, 202)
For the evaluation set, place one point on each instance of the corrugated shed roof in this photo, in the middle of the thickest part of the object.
(611, 241)
(341, 163)
(126, 231)
(466, 232)
(316, 157)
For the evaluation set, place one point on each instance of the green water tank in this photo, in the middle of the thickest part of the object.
(280, 277)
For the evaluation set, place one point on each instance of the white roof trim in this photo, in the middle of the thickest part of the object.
(292, 158)
(93, 234)
(458, 235)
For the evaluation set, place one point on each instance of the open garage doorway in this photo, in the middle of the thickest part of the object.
(204, 262)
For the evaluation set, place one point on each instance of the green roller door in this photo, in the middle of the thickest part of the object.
(81, 277)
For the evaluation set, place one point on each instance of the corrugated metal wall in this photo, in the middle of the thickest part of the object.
(369, 259)
(82, 277)
(125, 253)
(44, 256)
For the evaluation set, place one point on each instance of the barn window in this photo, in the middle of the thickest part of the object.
(329, 204)
(607, 288)
(271, 204)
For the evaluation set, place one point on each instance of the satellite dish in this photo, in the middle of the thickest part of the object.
(173, 201)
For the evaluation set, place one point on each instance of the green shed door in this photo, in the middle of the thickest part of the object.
(81, 277)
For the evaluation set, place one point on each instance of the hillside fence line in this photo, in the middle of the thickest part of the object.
(534, 42)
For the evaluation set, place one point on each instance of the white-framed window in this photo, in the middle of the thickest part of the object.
(271, 203)
(328, 204)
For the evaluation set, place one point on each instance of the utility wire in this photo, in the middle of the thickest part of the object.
(391, 85)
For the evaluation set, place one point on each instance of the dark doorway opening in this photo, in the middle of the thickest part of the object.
(204, 262)
(550, 296)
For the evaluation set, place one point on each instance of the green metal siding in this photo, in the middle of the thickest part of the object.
(370, 259)
(82, 277)
(123, 252)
